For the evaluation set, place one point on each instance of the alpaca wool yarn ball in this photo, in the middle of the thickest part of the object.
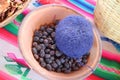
(74, 36)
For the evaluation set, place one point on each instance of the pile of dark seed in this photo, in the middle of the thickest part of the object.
(47, 54)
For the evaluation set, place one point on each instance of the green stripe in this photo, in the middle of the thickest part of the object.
(111, 64)
(11, 27)
(20, 17)
(26, 72)
(107, 75)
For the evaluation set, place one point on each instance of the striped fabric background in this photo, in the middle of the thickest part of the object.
(109, 66)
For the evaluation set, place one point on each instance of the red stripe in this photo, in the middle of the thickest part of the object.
(110, 55)
(109, 69)
(5, 76)
(48, 1)
(5, 35)
(94, 77)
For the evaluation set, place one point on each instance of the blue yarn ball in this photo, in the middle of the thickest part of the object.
(74, 36)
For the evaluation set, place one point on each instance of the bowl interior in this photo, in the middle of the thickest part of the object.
(45, 15)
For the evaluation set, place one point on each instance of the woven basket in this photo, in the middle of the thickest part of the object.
(107, 18)
(6, 21)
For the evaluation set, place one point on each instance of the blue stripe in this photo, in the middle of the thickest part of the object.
(83, 5)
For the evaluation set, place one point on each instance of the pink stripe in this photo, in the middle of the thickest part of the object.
(20, 61)
(11, 56)
(109, 69)
(5, 35)
(110, 55)
(5, 76)
(16, 23)
(77, 9)
(25, 12)
(92, 2)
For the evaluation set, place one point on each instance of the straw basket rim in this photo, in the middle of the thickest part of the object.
(106, 18)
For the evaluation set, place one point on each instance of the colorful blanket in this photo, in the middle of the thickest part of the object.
(13, 66)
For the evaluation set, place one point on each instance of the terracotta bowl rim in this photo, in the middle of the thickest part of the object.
(95, 33)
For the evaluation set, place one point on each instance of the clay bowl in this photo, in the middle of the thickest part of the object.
(45, 15)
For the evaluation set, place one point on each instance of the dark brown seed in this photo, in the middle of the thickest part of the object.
(52, 58)
(53, 34)
(46, 41)
(52, 52)
(47, 50)
(51, 42)
(86, 55)
(58, 62)
(54, 65)
(70, 63)
(63, 69)
(42, 53)
(36, 38)
(41, 60)
(45, 33)
(42, 46)
(41, 40)
(43, 64)
(49, 39)
(75, 68)
(48, 60)
(52, 46)
(36, 56)
(42, 28)
(58, 70)
(78, 64)
(48, 66)
(61, 66)
(66, 65)
(44, 37)
(36, 33)
(84, 61)
(47, 56)
(81, 63)
(79, 60)
(34, 50)
(63, 56)
(40, 34)
(34, 44)
(46, 45)
(38, 47)
(53, 69)
(49, 30)
(62, 60)
(67, 71)
(71, 60)
(73, 65)
(66, 60)
(58, 54)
